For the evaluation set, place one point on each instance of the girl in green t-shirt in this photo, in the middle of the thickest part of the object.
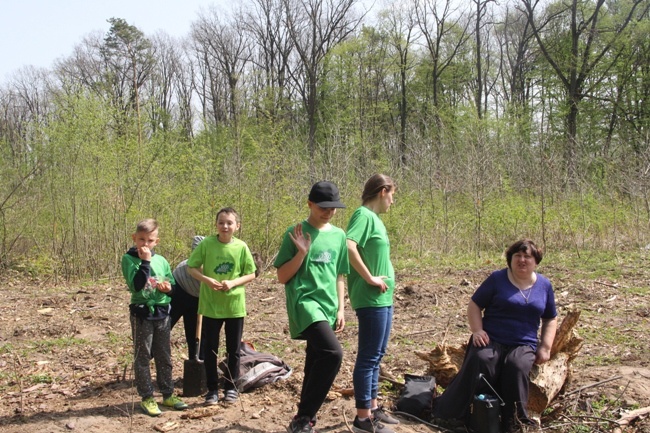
(370, 285)
(311, 263)
(223, 264)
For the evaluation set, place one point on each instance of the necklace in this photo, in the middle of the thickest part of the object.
(521, 292)
(529, 285)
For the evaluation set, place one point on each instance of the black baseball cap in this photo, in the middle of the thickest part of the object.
(326, 195)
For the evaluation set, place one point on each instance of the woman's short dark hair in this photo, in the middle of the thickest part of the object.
(524, 245)
(375, 185)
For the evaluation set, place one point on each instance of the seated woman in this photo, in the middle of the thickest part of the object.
(504, 316)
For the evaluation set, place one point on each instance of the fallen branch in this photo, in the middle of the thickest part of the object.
(347, 424)
(345, 392)
(627, 418)
(593, 385)
(420, 332)
(616, 286)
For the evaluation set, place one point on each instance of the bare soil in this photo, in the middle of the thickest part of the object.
(65, 355)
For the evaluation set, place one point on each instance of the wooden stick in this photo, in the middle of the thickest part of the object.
(593, 385)
(347, 424)
(616, 286)
(420, 332)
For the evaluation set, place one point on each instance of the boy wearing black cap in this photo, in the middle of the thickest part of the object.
(312, 263)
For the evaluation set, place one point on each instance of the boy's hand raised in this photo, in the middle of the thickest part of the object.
(302, 242)
(144, 253)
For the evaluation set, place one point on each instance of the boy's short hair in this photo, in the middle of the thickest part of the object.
(147, 226)
(229, 211)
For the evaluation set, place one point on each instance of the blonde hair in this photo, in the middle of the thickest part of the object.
(147, 226)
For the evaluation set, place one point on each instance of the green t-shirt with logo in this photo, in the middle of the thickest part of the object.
(311, 294)
(222, 262)
(368, 231)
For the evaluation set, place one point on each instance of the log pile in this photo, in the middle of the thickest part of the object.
(546, 380)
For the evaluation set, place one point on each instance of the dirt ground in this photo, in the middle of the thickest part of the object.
(65, 353)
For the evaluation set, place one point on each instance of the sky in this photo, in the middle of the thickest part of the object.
(37, 32)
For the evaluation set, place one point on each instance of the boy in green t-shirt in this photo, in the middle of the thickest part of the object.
(149, 278)
(311, 263)
(224, 265)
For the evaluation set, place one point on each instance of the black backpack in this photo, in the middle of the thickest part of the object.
(417, 396)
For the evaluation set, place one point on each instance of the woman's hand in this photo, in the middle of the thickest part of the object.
(480, 338)
(379, 282)
(340, 322)
(542, 355)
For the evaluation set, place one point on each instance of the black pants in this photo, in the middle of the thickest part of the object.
(211, 331)
(186, 306)
(506, 368)
(322, 363)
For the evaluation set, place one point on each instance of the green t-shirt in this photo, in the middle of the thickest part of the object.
(147, 296)
(368, 231)
(311, 294)
(222, 262)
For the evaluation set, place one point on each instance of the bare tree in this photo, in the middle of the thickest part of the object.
(272, 49)
(401, 25)
(315, 27)
(514, 37)
(479, 24)
(592, 52)
(162, 100)
(84, 69)
(226, 47)
(184, 87)
(438, 22)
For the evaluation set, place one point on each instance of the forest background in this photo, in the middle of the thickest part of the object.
(497, 120)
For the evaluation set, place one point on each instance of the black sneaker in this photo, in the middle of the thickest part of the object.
(369, 425)
(212, 398)
(381, 415)
(301, 424)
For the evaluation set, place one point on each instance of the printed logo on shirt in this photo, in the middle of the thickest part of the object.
(324, 257)
(224, 268)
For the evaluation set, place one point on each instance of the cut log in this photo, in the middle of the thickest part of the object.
(546, 380)
(564, 334)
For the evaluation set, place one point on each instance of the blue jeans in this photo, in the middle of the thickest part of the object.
(374, 330)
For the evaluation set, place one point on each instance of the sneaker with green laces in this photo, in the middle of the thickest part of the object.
(175, 402)
(150, 407)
